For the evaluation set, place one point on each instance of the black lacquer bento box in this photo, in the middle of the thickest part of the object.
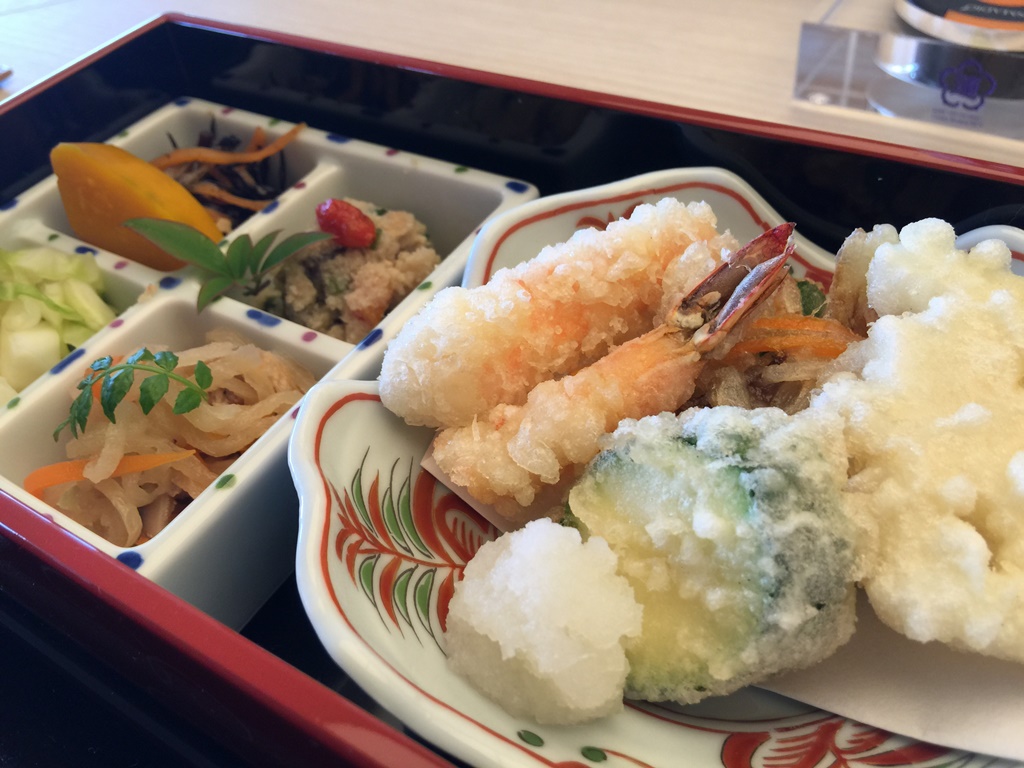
(197, 639)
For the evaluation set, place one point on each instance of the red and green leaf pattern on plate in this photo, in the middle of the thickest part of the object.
(832, 741)
(404, 540)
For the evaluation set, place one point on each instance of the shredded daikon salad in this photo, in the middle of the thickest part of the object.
(127, 479)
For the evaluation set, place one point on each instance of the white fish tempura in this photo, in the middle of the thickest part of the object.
(934, 411)
(538, 624)
(471, 349)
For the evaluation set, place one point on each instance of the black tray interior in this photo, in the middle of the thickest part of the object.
(557, 142)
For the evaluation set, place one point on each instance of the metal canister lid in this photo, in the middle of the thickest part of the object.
(993, 25)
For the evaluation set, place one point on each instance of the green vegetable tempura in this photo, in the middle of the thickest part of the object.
(729, 525)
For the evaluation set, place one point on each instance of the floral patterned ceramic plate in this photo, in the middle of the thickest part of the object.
(382, 544)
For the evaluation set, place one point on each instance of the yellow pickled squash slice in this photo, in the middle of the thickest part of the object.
(102, 186)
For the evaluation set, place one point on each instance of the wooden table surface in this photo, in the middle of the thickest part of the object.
(733, 57)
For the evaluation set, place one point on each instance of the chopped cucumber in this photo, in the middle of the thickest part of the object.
(21, 314)
(42, 263)
(83, 299)
(26, 354)
(50, 303)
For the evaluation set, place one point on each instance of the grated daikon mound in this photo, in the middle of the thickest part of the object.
(469, 350)
(934, 423)
(538, 624)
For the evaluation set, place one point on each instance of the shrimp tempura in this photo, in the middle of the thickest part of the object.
(518, 458)
(509, 456)
(469, 350)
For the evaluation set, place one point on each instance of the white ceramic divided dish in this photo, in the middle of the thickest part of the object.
(234, 545)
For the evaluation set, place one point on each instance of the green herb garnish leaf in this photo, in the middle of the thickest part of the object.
(166, 360)
(812, 298)
(104, 363)
(151, 392)
(213, 289)
(79, 414)
(180, 240)
(116, 382)
(259, 250)
(243, 263)
(187, 400)
(290, 245)
(115, 386)
(203, 375)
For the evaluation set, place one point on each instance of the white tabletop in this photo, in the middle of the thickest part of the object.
(733, 57)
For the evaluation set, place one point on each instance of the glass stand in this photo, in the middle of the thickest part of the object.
(861, 55)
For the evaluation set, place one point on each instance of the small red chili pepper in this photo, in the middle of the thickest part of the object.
(351, 227)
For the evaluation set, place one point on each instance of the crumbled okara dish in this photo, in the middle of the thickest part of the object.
(934, 413)
(343, 291)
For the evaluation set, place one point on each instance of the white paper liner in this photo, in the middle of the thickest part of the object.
(927, 691)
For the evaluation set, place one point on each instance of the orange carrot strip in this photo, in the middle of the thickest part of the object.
(803, 323)
(257, 139)
(68, 471)
(212, 191)
(221, 157)
(812, 345)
